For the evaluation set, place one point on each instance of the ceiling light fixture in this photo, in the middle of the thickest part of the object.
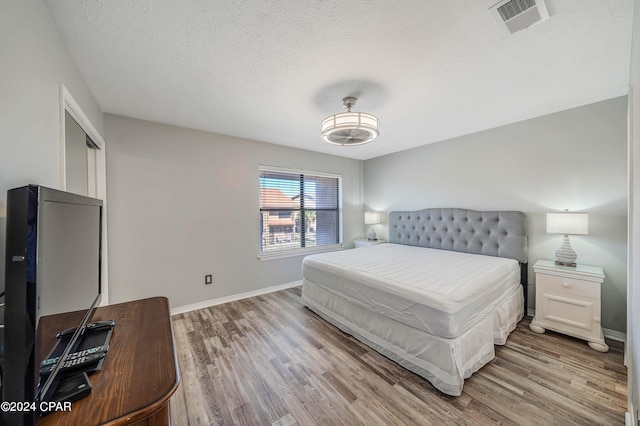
(350, 128)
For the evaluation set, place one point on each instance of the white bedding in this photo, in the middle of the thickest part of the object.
(444, 293)
(400, 301)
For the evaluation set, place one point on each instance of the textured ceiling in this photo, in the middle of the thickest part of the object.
(271, 70)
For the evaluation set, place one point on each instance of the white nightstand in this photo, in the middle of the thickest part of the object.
(364, 243)
(568, 301)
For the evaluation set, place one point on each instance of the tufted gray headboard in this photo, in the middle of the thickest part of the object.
(491, 233)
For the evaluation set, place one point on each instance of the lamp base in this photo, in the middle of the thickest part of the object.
(565, 255)
(372, 234)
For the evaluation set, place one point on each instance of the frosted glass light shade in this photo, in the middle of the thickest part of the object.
(350, 128)
(568, 223)
(371, 218)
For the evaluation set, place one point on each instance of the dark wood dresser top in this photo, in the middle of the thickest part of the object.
(139, 373)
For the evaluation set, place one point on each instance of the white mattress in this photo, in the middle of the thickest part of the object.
(444, 293)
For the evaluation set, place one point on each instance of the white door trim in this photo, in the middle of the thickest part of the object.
(68, 104)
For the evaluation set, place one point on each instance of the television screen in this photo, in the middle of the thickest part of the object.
(69, 253)
(53, 265)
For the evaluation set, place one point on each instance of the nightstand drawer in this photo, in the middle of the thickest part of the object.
(570, 286)
(578, 316)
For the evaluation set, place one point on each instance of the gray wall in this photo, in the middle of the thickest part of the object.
(575, 159)
(184, 203)
(33, 61)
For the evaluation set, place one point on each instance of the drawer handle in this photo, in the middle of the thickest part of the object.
(596, 319)
(565, 285)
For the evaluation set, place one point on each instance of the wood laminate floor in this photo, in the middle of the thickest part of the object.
(269, 360)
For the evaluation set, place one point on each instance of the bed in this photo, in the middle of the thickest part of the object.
(447, 287)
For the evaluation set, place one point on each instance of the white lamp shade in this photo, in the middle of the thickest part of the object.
(371, 218)
(568, 223)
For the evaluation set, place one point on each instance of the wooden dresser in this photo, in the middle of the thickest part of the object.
(139, 374)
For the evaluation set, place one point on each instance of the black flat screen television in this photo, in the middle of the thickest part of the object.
(53, 265)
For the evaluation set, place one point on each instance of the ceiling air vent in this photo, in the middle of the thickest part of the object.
(516, 15)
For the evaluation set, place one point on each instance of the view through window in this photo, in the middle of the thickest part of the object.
(298, 210)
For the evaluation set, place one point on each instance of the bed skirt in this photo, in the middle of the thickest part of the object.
(444, 362)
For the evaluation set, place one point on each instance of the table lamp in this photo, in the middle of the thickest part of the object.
(567, 223)
(371, 218)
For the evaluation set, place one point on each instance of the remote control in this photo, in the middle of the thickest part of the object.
(74, 364)
(75, 355)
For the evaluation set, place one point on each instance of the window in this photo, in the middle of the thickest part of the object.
(298, 210)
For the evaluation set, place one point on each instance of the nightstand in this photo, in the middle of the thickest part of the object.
(568, 301)
(364, 243)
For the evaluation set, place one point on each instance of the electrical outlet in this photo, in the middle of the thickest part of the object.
(208, 279)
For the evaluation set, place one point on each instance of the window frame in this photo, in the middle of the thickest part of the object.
(299, 251)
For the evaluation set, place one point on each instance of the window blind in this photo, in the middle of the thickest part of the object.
(298, 210)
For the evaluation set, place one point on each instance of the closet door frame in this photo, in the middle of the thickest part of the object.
(68, 104)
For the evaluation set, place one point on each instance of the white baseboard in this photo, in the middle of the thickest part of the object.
(615, 335)
(232, 298)
(608, 333)
(629, 420)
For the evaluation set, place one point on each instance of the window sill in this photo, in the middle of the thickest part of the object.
(298, 252)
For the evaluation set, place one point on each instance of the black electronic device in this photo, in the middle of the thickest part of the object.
(72, 388)
(95, 340)
(98, 325)
(52, 265)
(75, 355)
(73, 364)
